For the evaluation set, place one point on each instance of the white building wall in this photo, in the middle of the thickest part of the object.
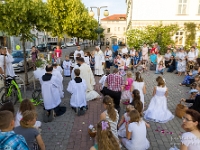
(117, 30)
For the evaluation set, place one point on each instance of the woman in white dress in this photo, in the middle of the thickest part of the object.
(191, 124)
(191, 59)
(181, 67)
(136, 133)
(140, 86)
(157, 110)
(110, 114)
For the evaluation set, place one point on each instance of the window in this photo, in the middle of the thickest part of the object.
(179, 38)
(199, 8)
(115, 28)
(108, 30)
(124, 28)
(182, 7)
(118, 28)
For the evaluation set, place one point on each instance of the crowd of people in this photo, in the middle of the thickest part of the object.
(118, 87)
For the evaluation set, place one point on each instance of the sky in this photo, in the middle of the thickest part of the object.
(114, 6)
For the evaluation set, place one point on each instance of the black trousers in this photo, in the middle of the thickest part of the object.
(116, 96)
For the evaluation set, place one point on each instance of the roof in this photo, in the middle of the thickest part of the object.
(115, 17)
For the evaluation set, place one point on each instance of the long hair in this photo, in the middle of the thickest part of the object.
(28, 115)
(26, 105)
(134, 116)
(137, 102)
(138, 77)
(160, 81)
(105, 137)
(108, 101)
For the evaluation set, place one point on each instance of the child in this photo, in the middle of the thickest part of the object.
(126, 93)
(8, 139)
(8, 106)
(160, 68)
(77, 87)
(92, 61)
(67, 65)
(136, 133)
(144, 65)
(102, 82)
(124, 120)
(27, 130)
(105, 138)
(25, 105)
(193, 93)
(87, 58)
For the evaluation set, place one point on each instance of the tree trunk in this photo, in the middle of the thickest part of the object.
(25, 62)
(59, 42)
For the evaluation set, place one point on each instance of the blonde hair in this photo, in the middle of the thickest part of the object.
(108, 101)
(105, 138)
(134, 116)
(28, 115)
(129, 108)
(129, 74)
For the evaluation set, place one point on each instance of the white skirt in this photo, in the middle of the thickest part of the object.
(158, 111)
(91, 95)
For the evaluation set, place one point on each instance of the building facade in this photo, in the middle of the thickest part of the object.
(115, 28)
(141, 13)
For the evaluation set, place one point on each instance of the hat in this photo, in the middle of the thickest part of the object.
(193, 91)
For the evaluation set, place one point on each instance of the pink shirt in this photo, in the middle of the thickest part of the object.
(130, 82)
(58, 53)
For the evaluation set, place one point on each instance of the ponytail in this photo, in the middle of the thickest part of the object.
(110, 108)
(137, 102)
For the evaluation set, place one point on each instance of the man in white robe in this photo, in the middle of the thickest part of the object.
(57, 73)
(99, 61)
(87, 75)
(51, 93)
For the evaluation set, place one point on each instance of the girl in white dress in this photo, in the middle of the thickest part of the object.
(110, 114)
(124, 120)
(136, 133)
(157, 110)
(67, 66)
(140, 86)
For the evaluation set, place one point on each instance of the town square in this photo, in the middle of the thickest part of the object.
(99, 75)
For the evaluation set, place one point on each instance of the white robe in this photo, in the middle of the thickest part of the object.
(59, 76)
(99, 59)
(80, 52)
(9, 68)
(66, 66)
(51, 92)
(87, 60)
(59, 69)
(78, 91)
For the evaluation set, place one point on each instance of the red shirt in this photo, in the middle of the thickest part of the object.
(58, 53)
(114, 81)
(154, 49)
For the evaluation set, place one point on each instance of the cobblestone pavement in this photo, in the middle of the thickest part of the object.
(70, 132)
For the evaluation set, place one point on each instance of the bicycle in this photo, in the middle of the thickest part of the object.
(11, 91)
(37, 97)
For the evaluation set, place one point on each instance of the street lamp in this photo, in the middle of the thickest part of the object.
(91, 13)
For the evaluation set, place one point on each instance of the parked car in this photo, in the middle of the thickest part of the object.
(70, 44)
(42, 47)
(18, 63)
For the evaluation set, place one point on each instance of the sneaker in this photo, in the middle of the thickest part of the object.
(45, 116)
(51, 116)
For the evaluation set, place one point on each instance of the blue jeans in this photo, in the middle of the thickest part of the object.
(159, 71)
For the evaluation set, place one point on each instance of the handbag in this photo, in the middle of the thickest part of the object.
(180, 110)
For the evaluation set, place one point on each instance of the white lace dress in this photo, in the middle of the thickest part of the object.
(157, 110)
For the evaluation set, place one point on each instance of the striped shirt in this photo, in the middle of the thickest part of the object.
(114, 82)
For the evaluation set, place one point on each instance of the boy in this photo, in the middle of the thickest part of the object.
(77, 87)
(66, 66)
(8, 139)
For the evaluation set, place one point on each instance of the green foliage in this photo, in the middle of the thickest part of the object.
(190, 32)
(150, 34)
(18, 17)
(39, 63)
(72, 18)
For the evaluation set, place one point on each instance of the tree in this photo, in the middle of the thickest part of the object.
(72, 18)
(150, 34)
(190, 32)
(18, 17)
